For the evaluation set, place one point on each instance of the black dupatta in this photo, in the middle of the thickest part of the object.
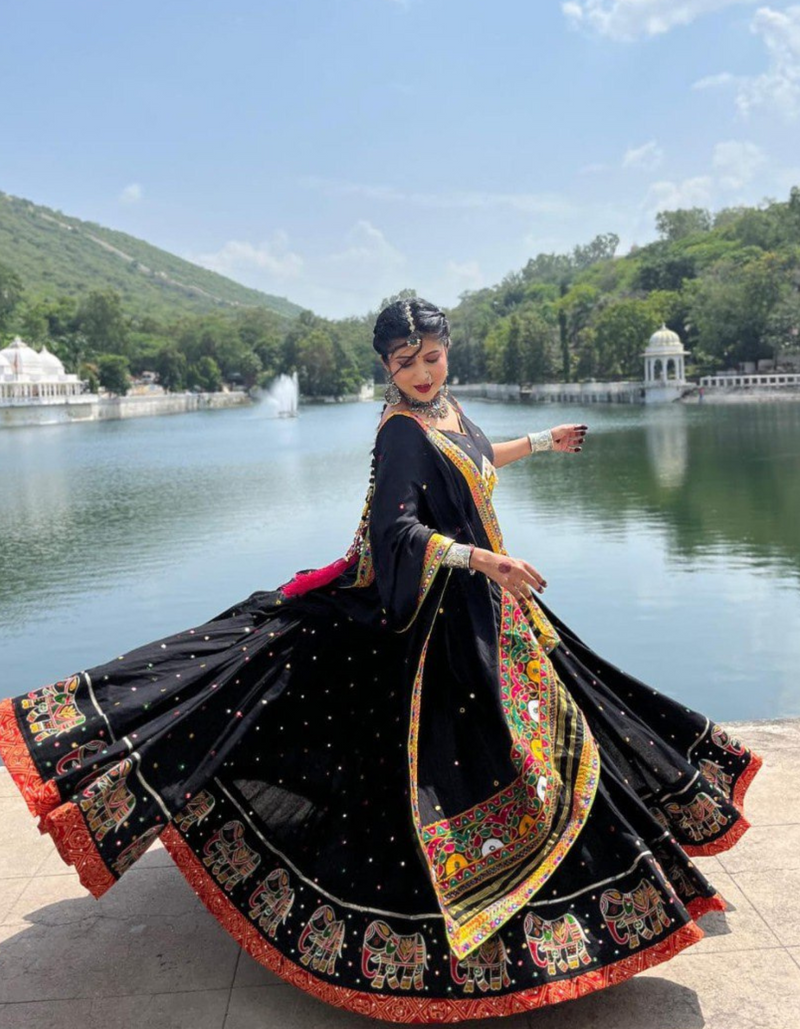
(503, 768)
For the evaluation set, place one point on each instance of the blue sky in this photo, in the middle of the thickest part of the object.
(336, 151)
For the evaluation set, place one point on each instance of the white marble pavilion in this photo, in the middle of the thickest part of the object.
(28, 376)
(664, 377)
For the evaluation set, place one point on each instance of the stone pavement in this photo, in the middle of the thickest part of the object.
(148, 954)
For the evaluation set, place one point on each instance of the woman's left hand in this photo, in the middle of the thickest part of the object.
(568, 437)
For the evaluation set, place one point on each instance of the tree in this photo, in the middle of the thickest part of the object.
(249, 368)
(549, 269)
(729, 307)
(171, 366)
(512, 355)
(317, 369)
(674, 225)
(102, 322)
(89, 374)
(205, 375)
(602, 248)
(114, 377)
(11, 290)
(782, 330)
(32, 320)
(539, 346)
(622, 330)
(577, 308)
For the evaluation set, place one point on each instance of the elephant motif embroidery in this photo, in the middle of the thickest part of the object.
(659, 816)
(199, 807)
(272, 900)
(726, 741)
(556, 945)
(134, 850)
(484, 967)
(321, 940)
(76, 757)
(631, 915)
(227, 855)
(386, 954)
(683, 884)
(717, 776)
(106, 801)
(700, 818)
(52, 710)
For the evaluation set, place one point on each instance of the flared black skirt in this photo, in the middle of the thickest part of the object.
(268, 749)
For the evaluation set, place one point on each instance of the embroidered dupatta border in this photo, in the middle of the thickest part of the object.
(481, 488)
(467, 935)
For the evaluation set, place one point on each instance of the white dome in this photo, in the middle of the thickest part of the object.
(22, 358)
(50, 363)
(665, 339)
(5, 364)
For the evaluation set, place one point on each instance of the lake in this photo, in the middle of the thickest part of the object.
(671, 543)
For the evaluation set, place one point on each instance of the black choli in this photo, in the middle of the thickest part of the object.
(397, 786)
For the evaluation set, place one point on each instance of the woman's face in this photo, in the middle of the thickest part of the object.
(415, 368)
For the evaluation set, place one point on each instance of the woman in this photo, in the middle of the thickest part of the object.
(400, 781)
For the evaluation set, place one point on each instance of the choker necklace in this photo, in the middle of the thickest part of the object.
(438, 407)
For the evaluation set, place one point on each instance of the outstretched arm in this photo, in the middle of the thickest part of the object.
(563, 437)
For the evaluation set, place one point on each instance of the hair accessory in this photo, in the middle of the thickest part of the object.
(414, 339)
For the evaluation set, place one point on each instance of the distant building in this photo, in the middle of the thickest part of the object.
(31, 377)
(664, 377)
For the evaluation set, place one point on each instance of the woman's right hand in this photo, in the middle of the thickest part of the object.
(516, 575)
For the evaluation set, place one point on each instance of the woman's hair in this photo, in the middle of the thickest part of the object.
(392, 324)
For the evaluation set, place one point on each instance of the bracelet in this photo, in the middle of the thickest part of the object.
(458, 556)
(540, 441)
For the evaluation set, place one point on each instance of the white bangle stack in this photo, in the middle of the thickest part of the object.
(541, 441)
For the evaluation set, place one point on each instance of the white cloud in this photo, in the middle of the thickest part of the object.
(779, 86)
(239, 259)
(525, 203)
(592, 169)
(723, 78)
(348, 280)
(648, 156)
(462, 275)
(668, 196)
(627, 20)
(132, 194)
(366, 246)
(737, 162)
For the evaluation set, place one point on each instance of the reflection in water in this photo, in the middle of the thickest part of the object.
(668, 445)
(670, 543)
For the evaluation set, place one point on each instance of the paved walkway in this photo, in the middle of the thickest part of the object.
(148, 954)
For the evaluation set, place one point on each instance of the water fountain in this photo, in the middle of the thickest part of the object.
(282, 395)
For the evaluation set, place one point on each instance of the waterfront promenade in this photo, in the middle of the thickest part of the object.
(148, 953)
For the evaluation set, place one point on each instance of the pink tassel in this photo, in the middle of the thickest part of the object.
(305, 581)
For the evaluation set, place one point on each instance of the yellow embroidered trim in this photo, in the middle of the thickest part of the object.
(435, 550)
(466, 937)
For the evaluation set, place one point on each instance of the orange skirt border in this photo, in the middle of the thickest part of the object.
(741, 825)
(413, 1009)
(64, 822)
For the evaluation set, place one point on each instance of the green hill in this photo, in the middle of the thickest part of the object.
(56, 255)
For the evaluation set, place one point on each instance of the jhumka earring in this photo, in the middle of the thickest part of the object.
(392, 394)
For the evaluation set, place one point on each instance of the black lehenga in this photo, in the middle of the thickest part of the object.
(395, 785)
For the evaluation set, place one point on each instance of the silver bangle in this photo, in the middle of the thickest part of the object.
(541, 441)
(458, 556)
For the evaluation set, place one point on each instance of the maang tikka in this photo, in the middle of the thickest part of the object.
(438, 407)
